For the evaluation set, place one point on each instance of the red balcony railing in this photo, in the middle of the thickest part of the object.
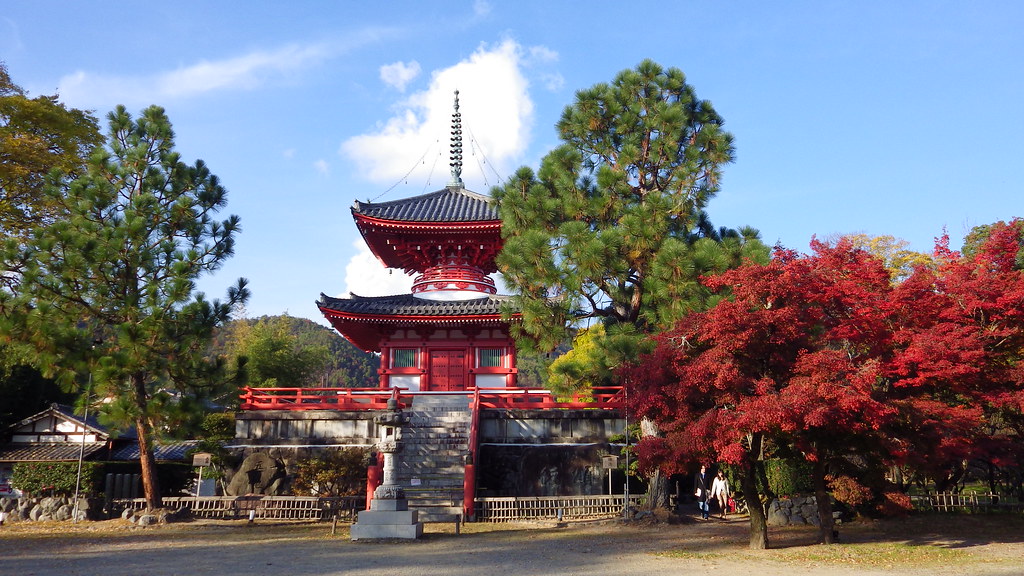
(376, 398)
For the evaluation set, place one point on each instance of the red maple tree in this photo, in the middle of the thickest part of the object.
(824, 355)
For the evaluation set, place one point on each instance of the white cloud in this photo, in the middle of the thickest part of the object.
(497, 115)
(239, 73)
(85, 89)
(481, 8)
(399, 74)
(322, 167)
(366, 276)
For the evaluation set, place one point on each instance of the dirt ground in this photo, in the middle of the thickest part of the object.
(918, 546)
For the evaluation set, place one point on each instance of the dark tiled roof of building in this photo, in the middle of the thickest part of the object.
(173, 451)
(408, 305)
(68, 413)
(451, 204)
(48, 452)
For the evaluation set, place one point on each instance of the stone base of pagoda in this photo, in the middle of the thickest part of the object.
(387, 519)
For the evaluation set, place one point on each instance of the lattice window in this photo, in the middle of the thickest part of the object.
(491, 357)
(403, 357)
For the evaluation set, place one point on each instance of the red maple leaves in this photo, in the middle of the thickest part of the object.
(824, 353)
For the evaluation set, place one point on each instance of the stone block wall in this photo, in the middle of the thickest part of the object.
(50, 508)
(797, 511)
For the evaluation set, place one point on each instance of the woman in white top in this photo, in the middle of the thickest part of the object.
(720, 491)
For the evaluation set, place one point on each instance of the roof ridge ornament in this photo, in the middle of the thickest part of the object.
(456, 147)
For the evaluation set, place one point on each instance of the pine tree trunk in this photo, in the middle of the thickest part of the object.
(147, 462)
(826, 524)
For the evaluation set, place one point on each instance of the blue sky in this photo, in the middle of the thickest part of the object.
(884, 118)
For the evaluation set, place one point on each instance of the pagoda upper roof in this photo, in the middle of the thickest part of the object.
(449, 205)
(364, 319)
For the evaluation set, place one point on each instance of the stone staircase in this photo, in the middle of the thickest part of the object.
(435, 443)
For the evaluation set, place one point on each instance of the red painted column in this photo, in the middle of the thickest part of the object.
(469, 493)
(374, 473)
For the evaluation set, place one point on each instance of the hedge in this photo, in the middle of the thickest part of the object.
(57, 478)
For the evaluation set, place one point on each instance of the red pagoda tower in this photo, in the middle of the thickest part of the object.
(448, 334)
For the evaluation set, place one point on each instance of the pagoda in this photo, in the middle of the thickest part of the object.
(448, 335)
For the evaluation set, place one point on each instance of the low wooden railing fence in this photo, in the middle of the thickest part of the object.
(956, 502)
(490, 509)
(516, 509)
(260, 507)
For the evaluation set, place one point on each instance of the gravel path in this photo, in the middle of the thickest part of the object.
(593, 549)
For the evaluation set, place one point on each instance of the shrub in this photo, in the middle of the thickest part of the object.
(848, 491)
(57, 478)
(336, 473)
(788, 477)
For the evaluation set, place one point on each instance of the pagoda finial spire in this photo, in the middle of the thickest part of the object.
(456, 157)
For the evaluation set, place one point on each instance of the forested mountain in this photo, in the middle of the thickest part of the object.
(336, 362)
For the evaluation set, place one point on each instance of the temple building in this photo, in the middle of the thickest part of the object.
(447, 359)
(448, 335)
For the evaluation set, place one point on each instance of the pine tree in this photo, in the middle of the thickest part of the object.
(111, 288)
(612, 227)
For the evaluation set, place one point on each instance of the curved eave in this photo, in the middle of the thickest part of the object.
(384, 237)
(365, 330)
(427, 226)
(410, 319)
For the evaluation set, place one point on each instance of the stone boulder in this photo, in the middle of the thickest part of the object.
(259, 473)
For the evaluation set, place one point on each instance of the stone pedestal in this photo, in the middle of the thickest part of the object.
(387, 519)
(389, 515)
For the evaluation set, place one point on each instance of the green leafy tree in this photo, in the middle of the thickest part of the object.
(344, 365)
(110, 289)
(894, 252)
(24, 389)
(978, 235)
(581, 368)
(274, 356)
(40, 138)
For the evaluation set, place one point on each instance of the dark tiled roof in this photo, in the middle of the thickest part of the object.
(409, 305)
(174, 451)
(448, 205)
(48, 452)
(68, 413)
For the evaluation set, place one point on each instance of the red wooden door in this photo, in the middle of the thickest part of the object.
(448, 370)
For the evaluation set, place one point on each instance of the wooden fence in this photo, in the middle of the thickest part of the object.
(954, 502)
(259, 507)
(512, 509)
(508, 509)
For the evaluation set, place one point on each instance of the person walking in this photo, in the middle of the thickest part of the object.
(720, 492)
(701, 490)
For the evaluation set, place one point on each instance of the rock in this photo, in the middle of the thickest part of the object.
(146, 520)
(259, 474)
(777, 518)
(62, 513)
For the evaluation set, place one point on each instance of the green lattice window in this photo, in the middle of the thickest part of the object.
(403, 358)
(491, 357)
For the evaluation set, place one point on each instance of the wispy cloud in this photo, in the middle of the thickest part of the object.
(497, 117)
(366, 276)
(399, 74)
(413, 145)
(243, 72)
